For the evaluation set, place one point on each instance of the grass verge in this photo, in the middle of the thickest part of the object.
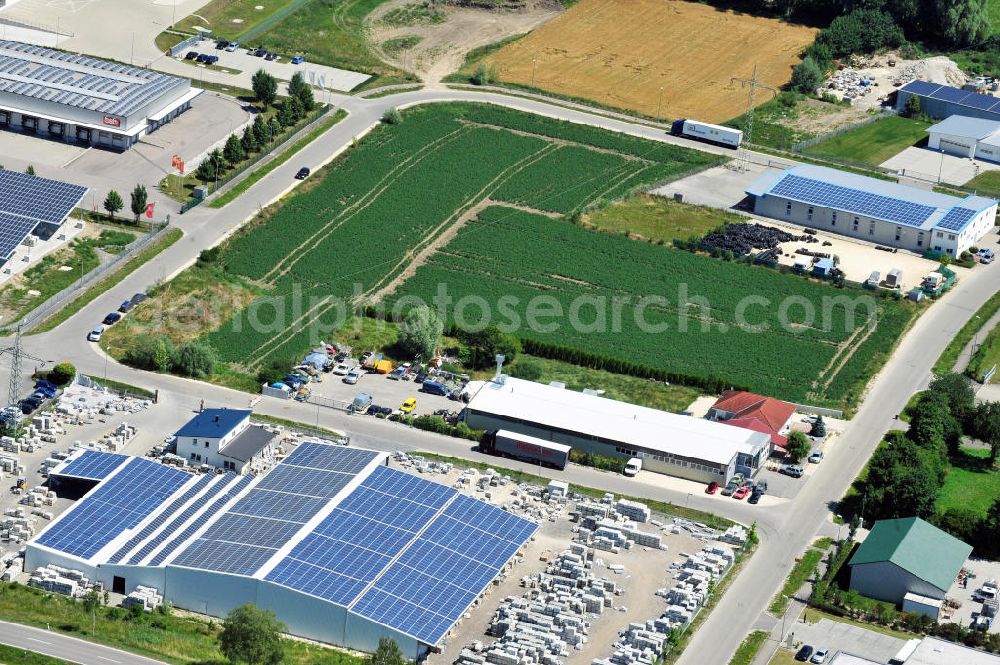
(657, 218)
(950, 355)
(169, 637)
(14, 656)
(294, 424)
(800, 574)
(256, 176)
(748, 649)
(812, 615)
(169, 238)
(872, 143)
(987, 182)
(228, 20)
(662, 507)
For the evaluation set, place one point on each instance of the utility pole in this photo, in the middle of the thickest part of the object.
(743, 155)
(12, 414)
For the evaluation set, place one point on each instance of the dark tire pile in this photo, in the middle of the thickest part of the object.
(744, 238)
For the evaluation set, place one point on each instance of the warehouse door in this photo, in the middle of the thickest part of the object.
(955, 147)
(118, 585)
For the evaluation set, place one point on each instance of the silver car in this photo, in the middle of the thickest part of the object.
(352, 377)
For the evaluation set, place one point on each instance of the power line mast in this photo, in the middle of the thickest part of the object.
(12, 414)
(743, 154)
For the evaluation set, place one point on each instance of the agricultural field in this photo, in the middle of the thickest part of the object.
(599, 50)
(873, 143)
(371, 216)
(693, 327)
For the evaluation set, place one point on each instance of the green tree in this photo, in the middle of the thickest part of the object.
(302, 91)
(818, 428)
(273, 372)
(963, 22)
(985, 425)
(527, 369)
(211, 167)
(913, 106)
(392, 116)
(253, 636)
(932, 425)
(248, 141)
(138, 203)
(30, 170)
(265, 87)
(420, 332)
(484, 75)
(863, 30)
(151, 353)
(798, 446)
(62, 374)
(295, 109)
(481, 347)
(963, 523)
(195, 359)
(233, 150)
(91, 601)
(387, 653)
(113, 203)
(957, 391)
(285, 116)
(260, 131)
(806, 76)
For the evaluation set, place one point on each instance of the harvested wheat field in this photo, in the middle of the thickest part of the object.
(622, 52)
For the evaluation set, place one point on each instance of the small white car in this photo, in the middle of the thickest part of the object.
(985, 255)
(816, 457)
(341, 370)
(819, 657)
(95, 334)
(352, 377)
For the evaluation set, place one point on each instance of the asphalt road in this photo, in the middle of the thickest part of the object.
(67, 648)
(785, 529)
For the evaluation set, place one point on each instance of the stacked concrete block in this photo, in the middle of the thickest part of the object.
(587, 508)
(58, 580)
(734, 535)
(146, 597)
(633, 510)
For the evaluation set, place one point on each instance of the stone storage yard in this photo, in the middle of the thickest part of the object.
(600, 50)
(601, 581)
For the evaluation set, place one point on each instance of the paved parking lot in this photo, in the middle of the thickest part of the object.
(983, 570)
(837, 636)
(930, 165)
(384, 392)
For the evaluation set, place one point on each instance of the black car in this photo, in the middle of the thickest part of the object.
(112, 318)
(755, 496)
(126, 307)
(271, 55)
(804, 654)
(138, 298)
(191, 55)
(303, 173)
(221, 44)
(260, 52)
(211, 59)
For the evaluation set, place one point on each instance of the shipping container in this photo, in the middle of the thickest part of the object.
(526, 448)
(703, 131)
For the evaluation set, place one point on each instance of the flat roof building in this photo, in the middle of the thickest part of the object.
(873, 210)
(85, 100)
(342, 548)
(668, 443)
(963, 136)
(32, 205)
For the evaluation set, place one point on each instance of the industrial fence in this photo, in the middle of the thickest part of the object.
(266, 153)
(186, 44)
(328, 402)
(66, 295)
(799, 147)
(36, 25)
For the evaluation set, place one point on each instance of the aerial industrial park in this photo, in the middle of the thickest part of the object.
(520, 332)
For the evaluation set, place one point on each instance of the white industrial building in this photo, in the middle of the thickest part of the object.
(76, 98)
(342, 548)
(873, 210)
(676, 445)
(962, 136)
(225, 439)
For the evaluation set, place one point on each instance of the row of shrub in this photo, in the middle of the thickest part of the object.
(439, 425)
(602, 462)
(158, 354)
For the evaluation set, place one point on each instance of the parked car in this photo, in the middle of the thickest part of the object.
(731, 487)
(191, 55)
(298, 60)
(95, 334)
(755, 496)
(793, 470)
(409, 405)
(712, 488)
(271, 55)
(126, 307)
(231, 48)
(340, 357)
(804, 654)
(819, 657)
(221, 44)
(816, 457)
(211, 59)
(303, 173)
(29, 404)
(985, 255)
(112, 318)
(260, 52)
(341, 370)
(138, 298)
(202, 57)
(741, 493)
(352, 377)
(760, 485)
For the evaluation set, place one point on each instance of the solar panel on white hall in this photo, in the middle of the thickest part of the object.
(27, 201)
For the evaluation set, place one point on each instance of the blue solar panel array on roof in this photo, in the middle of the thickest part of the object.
(817, 192)
(951, 95)
(956, 219)
(92, 465)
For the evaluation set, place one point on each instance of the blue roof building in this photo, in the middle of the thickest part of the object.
(877, 211)
(214, 423)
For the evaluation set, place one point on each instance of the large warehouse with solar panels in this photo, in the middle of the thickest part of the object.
(942, 101)
(85, 100)
(344, 549)
(878, 211)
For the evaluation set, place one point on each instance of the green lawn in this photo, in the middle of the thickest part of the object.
(229, 19)
(986, 356)
(747, 651)
(800, 574)
(331, 32)
(987, 182)
(658, 218)
(969, 483)
(950, 355)
(776, 121)
(12, 656)
(872, 143)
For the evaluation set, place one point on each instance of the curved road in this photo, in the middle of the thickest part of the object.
(785, 529)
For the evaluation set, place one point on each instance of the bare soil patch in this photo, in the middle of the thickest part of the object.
(444, 41)
(669, 58)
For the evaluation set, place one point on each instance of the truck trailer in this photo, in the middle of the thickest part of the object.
(526, 448)
(703, 131)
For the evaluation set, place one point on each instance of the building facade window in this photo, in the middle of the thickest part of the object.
(920, 239)
(856, 222)
(809, 213)
(899, 231)
(871, 228)
(788, 208)
(833, 218)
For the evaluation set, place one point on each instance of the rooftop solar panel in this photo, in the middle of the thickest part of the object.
(92, 465)
(817, 192)
(330, 458)
(921, 87)
(224, 557)
(305, 481)
(981, 102)
(956, 219)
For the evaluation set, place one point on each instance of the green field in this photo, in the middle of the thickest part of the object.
(371, 215)
(872, 143)
(658, 218)
(986, 183)
(970, 483)
(230, 19)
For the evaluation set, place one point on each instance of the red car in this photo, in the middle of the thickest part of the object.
(712, 488)
(741, 493)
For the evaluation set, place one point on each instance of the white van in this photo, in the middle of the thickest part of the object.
(632, 467)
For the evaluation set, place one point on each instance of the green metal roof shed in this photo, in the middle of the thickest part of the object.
(913, 545)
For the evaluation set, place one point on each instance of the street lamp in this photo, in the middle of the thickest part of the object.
(941, 167)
